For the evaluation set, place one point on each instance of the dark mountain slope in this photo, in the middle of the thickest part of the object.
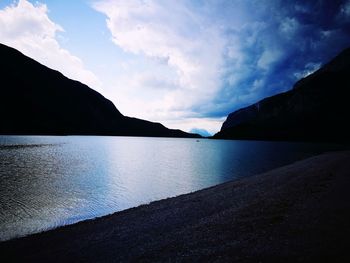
(38, 100)
(316, 109)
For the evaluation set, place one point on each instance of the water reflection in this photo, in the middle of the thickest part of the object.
(49, 181)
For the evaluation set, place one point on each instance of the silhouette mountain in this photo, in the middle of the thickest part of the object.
(38, 100)
(316, 109)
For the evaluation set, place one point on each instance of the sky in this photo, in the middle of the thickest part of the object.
(184, 63)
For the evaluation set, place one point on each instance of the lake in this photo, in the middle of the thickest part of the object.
(50, 181)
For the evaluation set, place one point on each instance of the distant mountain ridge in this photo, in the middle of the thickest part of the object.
(38, 100)
(316, 109)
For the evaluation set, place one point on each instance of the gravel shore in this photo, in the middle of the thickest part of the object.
(296, 213)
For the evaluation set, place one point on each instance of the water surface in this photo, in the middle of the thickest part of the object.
(49, 181)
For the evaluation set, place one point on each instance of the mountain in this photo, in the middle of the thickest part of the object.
(316, 109)
(202, 132)
(38, 100)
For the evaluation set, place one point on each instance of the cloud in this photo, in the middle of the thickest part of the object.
(268, 57)
(289, 27)
(309, 69)
(28, 28)
(190, 63)
(217, 56)
(184, 42)
(345, 8)
(274, 47)
(344, 13)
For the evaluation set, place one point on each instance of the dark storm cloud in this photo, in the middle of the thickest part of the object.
(280, 42)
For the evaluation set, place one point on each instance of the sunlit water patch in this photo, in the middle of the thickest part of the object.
(49, 181)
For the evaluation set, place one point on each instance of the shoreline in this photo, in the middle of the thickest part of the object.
(299, 212)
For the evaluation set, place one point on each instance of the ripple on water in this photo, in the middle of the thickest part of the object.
(49, 181)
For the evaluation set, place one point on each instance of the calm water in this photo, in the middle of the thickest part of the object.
(48, 181)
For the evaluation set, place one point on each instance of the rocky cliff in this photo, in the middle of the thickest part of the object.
(316, 109)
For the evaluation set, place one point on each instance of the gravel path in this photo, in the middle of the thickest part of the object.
(297, 213)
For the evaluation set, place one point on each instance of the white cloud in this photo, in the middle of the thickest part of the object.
(308, 69)
(189, 45)
(268, 57)
(27, 27)
(289, 27)
(184, 63)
